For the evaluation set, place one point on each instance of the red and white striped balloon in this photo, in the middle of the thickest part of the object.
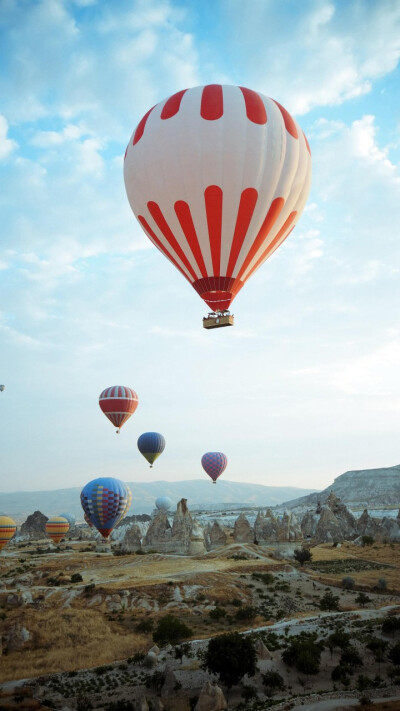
(218, 177)
(118, 403)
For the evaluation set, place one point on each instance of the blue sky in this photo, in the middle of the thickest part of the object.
(306, 385)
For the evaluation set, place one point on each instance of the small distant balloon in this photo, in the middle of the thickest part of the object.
(106, 501)
(214, 463)
(163, 503)
(7, 528)
(2, 387)
(151, 445)
(70, 518)
(118, 403)
(56, 528)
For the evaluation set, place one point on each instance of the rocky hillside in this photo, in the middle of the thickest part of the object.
(364, 488)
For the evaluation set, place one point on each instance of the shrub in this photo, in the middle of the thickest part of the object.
(351, 657)
(382, 584)
(76, 578)
(304, 653)
(273, 682)
(302, 555)
(249, 693)
(144, 626)
(266, 578)
(120, 706)
(394, 654)
(340, 673)
(348, 583)
(391, 624)
(170, 630)
(155, 681)
(367, 540)
(83, 703)
(363, 599)
(247, 612)
(217, 613)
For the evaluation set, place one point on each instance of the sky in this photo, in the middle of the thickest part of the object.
(306, 385)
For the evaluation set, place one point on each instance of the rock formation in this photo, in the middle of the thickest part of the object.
(131, 542)
(34, 526)
(217, 535)
(196, 543)
(158, 534)
(242, 531)
(181, 528)
(211, 698)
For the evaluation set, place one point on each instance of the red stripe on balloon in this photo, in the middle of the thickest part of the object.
(275, 242)
(172, 105)
(271, 217)
(162, 224)
(307, 143)
(184, 216)
(213, 199)
(160, 246)
(288, 120)
(255, 109)
(140, 127)
(248, 200)
(212, 102)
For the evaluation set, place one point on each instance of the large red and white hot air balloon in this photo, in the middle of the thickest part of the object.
(118, 404)
(218, 177)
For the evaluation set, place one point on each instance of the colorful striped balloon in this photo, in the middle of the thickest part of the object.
(118, 403)
(7, 530)
(106, 501)
(214, 463)
(151, 445)
(217, 177)
(56, 528)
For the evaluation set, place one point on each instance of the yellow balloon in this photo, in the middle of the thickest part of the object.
(7, 530)
(56, 528)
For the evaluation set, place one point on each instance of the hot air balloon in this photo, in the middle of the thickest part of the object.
(87, 519)
(56, 528)
(2, 387)
(7, 530)
(70, 518)
(217, 177)
(214, 463)
(151, 445)
(105, 501)
(163, 503)
(118, 403)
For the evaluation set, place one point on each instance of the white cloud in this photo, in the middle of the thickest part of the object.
(318, 52)
(7, 145)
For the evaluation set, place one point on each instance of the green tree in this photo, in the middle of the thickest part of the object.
(339, 638)
(171, 630)
(391, 624)
(302, 555)
(350, 657)
(367, 540)
(363, 599)
(329, 601)
(394, 654)
(303, 652)
(231, 656)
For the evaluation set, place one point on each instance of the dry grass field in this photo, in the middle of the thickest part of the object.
(94, 622)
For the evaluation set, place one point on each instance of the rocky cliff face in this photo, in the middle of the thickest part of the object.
(364, 488)
(34, 527)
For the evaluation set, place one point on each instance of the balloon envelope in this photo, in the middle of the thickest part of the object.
(105, 501)
(7, 530)
(56, 528)
(2, 387)
(214, 463)
(151, 445)
(163, 503)
(217, 176)
(118, 403)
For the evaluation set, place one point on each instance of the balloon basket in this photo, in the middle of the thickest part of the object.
(218, 320)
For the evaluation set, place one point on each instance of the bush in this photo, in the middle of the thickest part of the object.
(247, 612)
(273, 682)
(302, 555)
(217, 613)
(348, 583)
(266, 578)
(170, 630)
(231, 656)
(304, 653)
(362, 599)
(382, 584)
(340, 673)
(144, 626)
(367, 540)
(76, 578)
(120, 706)
(155, 681)
(351, 657)
(394, 654)
(83, 703)
(391, 624)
